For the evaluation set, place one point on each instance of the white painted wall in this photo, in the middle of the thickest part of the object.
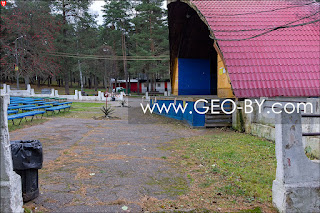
(54, 93)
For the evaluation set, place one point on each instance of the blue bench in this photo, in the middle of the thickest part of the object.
(35, 108)
(24, 115)
(44, 103)
(13, 111)
(20, 106)
(36, 102)
(62, 103)
(52, 109)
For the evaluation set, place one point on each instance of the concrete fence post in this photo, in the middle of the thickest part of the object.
(76, 95)
(8, 89)
(29, 88)
(52, 93)
(4, 89)
(32, 92)
(10, 182)
(100, 96)
(56, 93)
(80, 95)
(297, 184)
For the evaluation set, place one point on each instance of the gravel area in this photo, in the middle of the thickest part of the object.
(104, 165)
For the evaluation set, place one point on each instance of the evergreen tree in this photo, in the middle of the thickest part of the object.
(149, 38)
(117, 26)
(68, 12)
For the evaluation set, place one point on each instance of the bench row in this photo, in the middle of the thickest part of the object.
(33, 113)
(40, 104)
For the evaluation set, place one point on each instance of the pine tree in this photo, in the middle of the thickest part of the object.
(68, 12)
(117, 26)
(149, 38)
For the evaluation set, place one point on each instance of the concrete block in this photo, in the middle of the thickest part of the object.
(80, 95)
(261, 130)
(76, 95)
(8, 89)
(4, 88)
(10, 182)
(297, 184)
(52, 93)
(100, 95)
(29, 88)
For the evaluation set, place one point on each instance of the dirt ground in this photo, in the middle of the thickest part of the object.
(105, 165)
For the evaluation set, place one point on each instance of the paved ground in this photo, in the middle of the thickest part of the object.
(103, 165)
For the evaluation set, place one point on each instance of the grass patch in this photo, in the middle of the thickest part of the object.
(25, 123)
(226, 171)
(83, 106)
(172, 186)
(245, 165)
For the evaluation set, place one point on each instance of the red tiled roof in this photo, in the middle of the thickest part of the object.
(282, 62)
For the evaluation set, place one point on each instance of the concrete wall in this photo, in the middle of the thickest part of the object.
(263, 124)
(297, 184)
(10, 182)
(54, 93)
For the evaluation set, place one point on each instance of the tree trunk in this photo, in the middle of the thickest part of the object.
(95, 83)
(81, 78)
(124, 53)
(39, 82)
(64, 32)
(129, 83)
(71, 79)
(66, 86)
(152, 83)
(89, 81)
(26, 80)
(148, 83)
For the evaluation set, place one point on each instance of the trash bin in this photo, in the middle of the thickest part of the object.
(27, 158)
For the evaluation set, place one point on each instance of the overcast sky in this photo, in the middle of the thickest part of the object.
(96, 8)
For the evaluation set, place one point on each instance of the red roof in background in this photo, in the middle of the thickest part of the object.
(282, 62)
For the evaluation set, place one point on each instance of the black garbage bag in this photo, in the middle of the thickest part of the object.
(26, 154)
(27, 158)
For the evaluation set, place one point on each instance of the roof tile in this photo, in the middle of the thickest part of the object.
(283, 62)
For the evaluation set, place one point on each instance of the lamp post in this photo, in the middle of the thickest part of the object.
(17, 61)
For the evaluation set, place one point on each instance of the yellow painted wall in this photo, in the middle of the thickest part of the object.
(175, 78)
(224, 85)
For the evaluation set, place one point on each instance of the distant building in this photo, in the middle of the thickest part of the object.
(142, 86)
